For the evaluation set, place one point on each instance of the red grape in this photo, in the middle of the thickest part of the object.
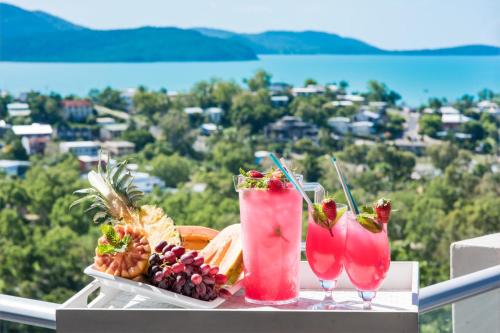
(214, 270)
(178, 267)
(169, 257)
(199, 260)
(179, 251)
(196, 279)
(159, 247)
(205, 268)
(220, 279)
(187, 258)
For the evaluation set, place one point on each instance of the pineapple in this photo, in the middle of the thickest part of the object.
(116, 200)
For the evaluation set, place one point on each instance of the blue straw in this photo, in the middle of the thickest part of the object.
(290, 178)
(343, 182)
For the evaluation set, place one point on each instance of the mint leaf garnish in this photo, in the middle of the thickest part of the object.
(115, 244)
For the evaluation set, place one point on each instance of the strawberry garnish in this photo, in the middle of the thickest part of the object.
(383, 210)
(255, 174)
(330, 209)
(274, 184)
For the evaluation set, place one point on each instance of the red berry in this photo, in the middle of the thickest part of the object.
(274, 184)
(198, 261)
(205, 268)
(196, 279)
(383, 209)
(220, 279)
(167, 271)
(169, 257)
(255, 174)
(330, 209)
(158, 276)
(214, 270)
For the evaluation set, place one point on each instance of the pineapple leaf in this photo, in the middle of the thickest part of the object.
(83, 199)
(85, 191)
(99, 216)
(117, 172)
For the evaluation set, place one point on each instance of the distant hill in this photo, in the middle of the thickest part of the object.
(38, 36)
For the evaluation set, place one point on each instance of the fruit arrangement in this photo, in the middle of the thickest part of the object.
(184, 272)
(374, 217)
(130, 230)
(122, 250)
(273, 180)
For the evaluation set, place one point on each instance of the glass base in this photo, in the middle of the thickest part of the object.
(324, 306)
(263, 302)
(367, 297)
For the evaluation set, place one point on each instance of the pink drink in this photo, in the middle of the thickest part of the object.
(271, 234)
(325, 253)
(367, 255)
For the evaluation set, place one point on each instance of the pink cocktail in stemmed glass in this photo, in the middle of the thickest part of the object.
(325, 253)
(367, 257)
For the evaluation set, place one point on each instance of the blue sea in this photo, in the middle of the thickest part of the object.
(416, 78)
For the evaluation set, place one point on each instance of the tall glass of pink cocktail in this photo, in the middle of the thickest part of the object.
(271, 219)
(325, 253)
(367, 257)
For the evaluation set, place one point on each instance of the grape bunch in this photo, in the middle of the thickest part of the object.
(184, 272)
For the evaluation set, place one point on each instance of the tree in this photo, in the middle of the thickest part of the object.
(176, 130)
(74, 218)
(378, 91)
(310, 82)
(261, 80)
(252, 110)
(442, 155)
(173, 169)
(430, 124)
(139, 136)
(150, 103)
(110, 98)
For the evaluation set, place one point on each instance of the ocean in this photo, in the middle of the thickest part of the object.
(416, 78)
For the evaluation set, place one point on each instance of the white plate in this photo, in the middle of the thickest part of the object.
(158, 294)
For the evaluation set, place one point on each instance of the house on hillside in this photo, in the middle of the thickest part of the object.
(77, 110)
(146, 183)
(103, 121)
(208, 129)
(214, 114)
(4, 127)
(88, 163)
(341, 103)
(15, 110)
(194, 110)
(351, 97)
(452, 121)
(127, 96)
(367, 115)
(448, 110)
(13, 167)
(34, 137)
(112, 131)
(75, 132)
(363, 128)
(279, 101)
(291, 128)
(312, 89)
(80, 148)
(278, 88)
(118, 148)
(340, 125)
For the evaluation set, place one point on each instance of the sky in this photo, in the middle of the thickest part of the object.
(390, 24)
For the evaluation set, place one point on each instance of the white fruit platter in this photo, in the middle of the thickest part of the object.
(155, 293)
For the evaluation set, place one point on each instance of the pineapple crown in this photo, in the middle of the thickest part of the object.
(112, 193)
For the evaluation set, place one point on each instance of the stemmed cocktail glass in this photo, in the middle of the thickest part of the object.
(325, 254)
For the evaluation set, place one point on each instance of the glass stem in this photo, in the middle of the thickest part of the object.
(328, 287)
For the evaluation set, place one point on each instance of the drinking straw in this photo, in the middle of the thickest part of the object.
(291, 178)
(345, 187)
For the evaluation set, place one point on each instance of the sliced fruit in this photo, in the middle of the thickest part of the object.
(123, 250)
(225, 251)
(158, 226)
(383, 209)
(195, 237)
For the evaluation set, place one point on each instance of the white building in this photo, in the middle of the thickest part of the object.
(103, 121)
(308, 91)
(80, 148)
(214, 114)
(279, 100)
(363, 128)
(146, 183)
(77, 110)
(453, 120)
(13, 167)
(367, 115)
(18, 110)
(340, 125)
(193, 110)
(352, 98)
(342, 103)
(118, 148)
(448, 110)
(127, 96)
(208, 129)
(112, 131)
(34, 137)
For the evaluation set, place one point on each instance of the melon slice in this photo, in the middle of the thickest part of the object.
(225, 251)
(195, 237)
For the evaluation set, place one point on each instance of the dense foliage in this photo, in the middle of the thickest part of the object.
(44, 246)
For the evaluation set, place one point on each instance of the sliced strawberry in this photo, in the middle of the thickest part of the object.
(383, 210)
(330, 209)
(255, 174)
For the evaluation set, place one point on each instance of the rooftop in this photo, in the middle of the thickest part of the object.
(33, 129)
(448, 110)
(17, 106)
(13, 163)
(116, 127)
(119, 144)
(193, 110)
(77, 144)
(69, 103)
(454, 118)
